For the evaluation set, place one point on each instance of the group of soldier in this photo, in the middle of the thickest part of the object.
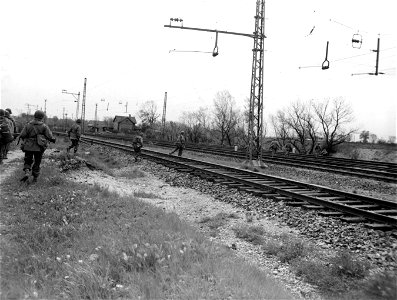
(288, 148)
(7, 131)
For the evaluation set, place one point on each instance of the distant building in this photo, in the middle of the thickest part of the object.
(124, 124)
(98, 126)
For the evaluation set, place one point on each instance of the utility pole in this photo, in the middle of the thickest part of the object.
(83, 106)
(376, 63)
(96, 115)
(255, 123)
(63, 117)
(45, 106)
(77, 100)
(28, 105)
(377, 58)
(164, 113)
(126, 105)
(66, 121)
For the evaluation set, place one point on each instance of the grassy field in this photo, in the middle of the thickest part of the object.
(63, 240)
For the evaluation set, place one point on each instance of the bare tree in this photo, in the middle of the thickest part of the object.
(373, 138)
(364, 136)
(225, 115)
(333, 118)
(148, 113)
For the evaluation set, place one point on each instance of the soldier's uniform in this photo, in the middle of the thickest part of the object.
(11, 126)
(180, 144)
(137, 144)
(33, 151)
(288, 149)
(74, 134)
(274, 147)
(5, 134)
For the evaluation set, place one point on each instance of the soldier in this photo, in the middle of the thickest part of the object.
(35, 136)
(180, 144)
(11, 126)
(274, 146)
(5, 134)
(74, 134)
(137, 144)
(288, 149)
(317, 149)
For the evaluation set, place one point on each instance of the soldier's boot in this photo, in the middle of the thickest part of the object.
(26, 176)
(34, 179)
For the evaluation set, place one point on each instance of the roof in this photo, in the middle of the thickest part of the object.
(119, 119)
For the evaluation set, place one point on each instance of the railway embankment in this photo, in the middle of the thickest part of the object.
(91, 199)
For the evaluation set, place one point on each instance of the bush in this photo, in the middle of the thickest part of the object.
(286, 248)
(252, 234)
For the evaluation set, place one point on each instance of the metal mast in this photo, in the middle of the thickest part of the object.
(255, 122)
(83, 106)
(164, 113)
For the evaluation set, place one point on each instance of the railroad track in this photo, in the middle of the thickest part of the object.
(380, 171)
(376, 213)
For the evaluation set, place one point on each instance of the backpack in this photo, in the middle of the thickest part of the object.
(41, 139)
(5, 134)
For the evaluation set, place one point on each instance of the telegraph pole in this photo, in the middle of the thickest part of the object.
(126, 105)
(164, 113)
(45, 106)
(96, 115)
(255, 122)
(83, 106)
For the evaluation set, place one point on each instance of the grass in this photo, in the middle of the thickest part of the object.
(217, 221)
(338, 277)
(66, 240)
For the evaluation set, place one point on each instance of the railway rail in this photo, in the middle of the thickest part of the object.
(376, 213)
(380, 171)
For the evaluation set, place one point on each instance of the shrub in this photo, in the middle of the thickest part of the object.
(252, 234)
(286, 248)
(344, 265)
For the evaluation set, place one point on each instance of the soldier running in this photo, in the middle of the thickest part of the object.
(180, 144)
(137, 144)
(74, 134)
(274, 146)
(34, 136)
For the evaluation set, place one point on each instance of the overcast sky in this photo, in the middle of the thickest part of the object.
(123, 50)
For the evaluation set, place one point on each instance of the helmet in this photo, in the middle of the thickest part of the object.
(9, 110)
(6, 113)
(182, 132)
(78, 121)
(39, 115)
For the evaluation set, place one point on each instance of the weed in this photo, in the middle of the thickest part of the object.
(344, 265)
(335, 276)
(285, 247)
(318, 274)
(252, 234)
(72, 241)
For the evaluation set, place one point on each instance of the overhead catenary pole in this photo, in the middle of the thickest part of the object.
(377, 57)
(83, 106)
(164, 113)
(96, 116)
(255, 122)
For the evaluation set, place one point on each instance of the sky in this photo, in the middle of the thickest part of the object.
(125, 52)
